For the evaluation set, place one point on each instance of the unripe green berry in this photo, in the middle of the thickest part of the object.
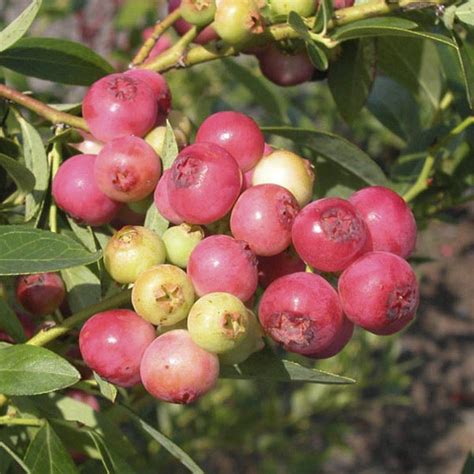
(302, 7)
(218, 322)
(132, 250)
(198, 12)
(252, 343)
(163, 295)
(237, 22)
(180, 241)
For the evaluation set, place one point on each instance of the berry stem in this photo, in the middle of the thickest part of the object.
(45, 111)
(422, 183)
(48, 335)
(8, 420)
(159, 29)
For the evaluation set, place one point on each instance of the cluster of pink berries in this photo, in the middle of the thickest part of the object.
(244, 218)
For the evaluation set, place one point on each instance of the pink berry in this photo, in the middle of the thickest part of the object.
(237, 133)
(162, 201)
(338, 4)
(267, 149)
(41, 293)
(379, 292)
(339, 341)
(181, 26)
(159, 86)
(220, 263)
(302, 312)
(247, 179)
(276, 266)
(391, 225)
(119, 105)
(89, 146)
(263, 216)
(205, 182)
(127, 169)
(112, 344)
(175, 369)
(329, 234)
(76, 192)
(285, 69)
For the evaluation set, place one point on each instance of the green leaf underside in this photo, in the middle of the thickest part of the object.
(23, 177)
(30, 370)
(170, 147)
(155, 221)
(24, 250)
(336, 149)
(57, 60)
(19, 26)
(171, 447)
(465, 13)
(47, 455)
(9, 322)
(266, 365)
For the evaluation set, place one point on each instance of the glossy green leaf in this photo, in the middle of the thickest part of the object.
(37, 162)
(351, 76)
(337, 149)
(83, 287)
(171, 447)
(260, 89)
(25, 250)
(9, 322)
(317, 56)
(31, 370)
(170, 147)
(47, 455)
(23, 177)
(267, 365)
(55, 60)
(107, 389)
(465, 12)
(155, 221)
(19, 26)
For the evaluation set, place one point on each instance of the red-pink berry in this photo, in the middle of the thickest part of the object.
(162, 201)
(237, 133)
(204, 184)
(220, 263)
(285, 69)
(40, 293)
(379, 292)
(263, 217)
(119, 105)
(175, 369)
(76, 192)
(127, 169)
(112, 344)
(276, 266)
(301, 312)
(159, 86)
(329, 234)
(339, 341)
(391, 224)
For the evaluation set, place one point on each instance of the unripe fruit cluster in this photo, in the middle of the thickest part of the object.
(197, 281)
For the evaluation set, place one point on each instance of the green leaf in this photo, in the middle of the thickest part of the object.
(155, 221)
(415, 65)
(84, 234)
(260, 89)
(9, 322)
(83, 287)
(23, 177)
(351, 76)
(55, 60)
(170, 147)
(37, 162)
(317, 56)
(108, 390)
(465, 12)
(112, 461)
(323, 15)
(24, 250)
(31, 370)
(171, 447)
(47, 455)
(267, 365)
(465, 53)
(298, 24)
(336, 149)
(468, 467)
(19, 26)
(14, 456)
